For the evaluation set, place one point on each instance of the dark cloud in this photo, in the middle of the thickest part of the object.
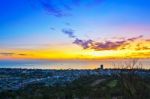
(10, 54)
(83, 43)
(52, 9)
(134, 38)
(61, 8)
(108, 45)
(90, 44)
(7, 54)
(22, 54)
(69, 32)
(105, 45)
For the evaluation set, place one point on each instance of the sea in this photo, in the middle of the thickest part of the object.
(73, 64)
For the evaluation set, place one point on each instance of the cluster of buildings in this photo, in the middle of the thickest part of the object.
(13, 79)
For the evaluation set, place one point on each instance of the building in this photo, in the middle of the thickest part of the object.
(101, 66)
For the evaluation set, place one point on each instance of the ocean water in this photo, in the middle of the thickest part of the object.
(76, 64)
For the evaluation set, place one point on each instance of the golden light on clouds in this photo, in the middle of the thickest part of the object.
(133, 49)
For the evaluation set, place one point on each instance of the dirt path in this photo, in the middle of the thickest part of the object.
(97, 82)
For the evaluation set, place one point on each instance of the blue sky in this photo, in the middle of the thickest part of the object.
(30, 24)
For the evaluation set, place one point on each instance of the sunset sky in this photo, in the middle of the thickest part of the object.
(74, 29)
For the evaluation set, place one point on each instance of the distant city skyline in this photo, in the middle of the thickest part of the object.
(74, 29)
